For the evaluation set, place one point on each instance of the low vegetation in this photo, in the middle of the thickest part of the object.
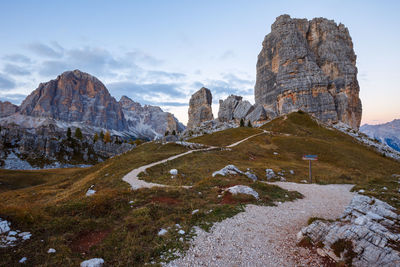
(117, 224)
(122, 226)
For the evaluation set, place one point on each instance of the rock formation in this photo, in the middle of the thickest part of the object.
(7, 109)
(233, 108)
(75, 96)
(309, 65)
(368, 225)
(200, 108)
(148, 121)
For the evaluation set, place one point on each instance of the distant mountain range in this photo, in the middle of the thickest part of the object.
(77, 99)
(387, 133)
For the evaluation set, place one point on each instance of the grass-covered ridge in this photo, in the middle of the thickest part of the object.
(117, 224)
(342, 159)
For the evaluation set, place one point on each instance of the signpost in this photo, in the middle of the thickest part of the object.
(310, 158)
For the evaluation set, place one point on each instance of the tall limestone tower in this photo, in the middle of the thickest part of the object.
(309, 65)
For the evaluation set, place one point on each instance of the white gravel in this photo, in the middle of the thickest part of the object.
(266, 236)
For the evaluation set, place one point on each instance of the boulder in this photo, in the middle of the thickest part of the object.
(243, 189)
(369, 224)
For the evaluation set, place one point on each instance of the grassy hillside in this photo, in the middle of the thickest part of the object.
(342, 159)
(116, 223)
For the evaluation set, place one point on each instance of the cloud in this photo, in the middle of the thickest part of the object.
(227, 55)
(142, 57)
(17, 58)
(13, 98)
(16, 70)
(150, 93)
(6, 82)
(45, 50)
(158, 75)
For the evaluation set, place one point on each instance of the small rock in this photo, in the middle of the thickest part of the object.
(384, 188)
(25, 235)
(95, 262)
(276, 153)
(181, 232)
(361, 191)
(195, 211)
(291, 172)
(173, 172)
(250, 175)
(131, 202)
(269, 173)
(90, 192)
(162, 232)
(178, 225)
(51, 250)
(181, 239)
(23, 260)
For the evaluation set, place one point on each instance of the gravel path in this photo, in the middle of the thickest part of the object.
(266, 236)
(133, 179)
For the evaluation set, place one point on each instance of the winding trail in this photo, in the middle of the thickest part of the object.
(266, 236)
(133, 179)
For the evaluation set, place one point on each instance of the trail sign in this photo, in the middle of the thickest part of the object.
(310, 158)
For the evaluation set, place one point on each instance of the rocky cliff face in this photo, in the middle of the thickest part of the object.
(75, 96)
(200, 108)
(7, 109)
(148, 121)
(309, 65)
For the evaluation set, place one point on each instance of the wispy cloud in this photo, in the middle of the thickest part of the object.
(41, 49)
(13, 69)
(6, 83)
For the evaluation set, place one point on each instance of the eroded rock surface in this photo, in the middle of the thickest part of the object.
(309, 65)
(372, 227)
(7, 109)
(75, 96)
(200, 108)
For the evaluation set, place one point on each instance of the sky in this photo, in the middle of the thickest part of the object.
(161, 52)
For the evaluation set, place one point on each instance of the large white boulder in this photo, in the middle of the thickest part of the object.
(243, 189)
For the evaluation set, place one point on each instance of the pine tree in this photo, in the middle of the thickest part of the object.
(173, 132)
(69, 133)
(241, 122)
(107, 137)
(166, 133)
(249, 124)
(78, 133)
(95, 138)
(102, 136)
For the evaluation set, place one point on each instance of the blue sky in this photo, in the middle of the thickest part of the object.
(160, 52)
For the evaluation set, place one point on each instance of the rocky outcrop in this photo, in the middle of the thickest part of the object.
(148, 121)
(49, 147)
(75, 96)
(7, 109)
(200, 108)
(309, 65)
(233, 108)
(367, 234)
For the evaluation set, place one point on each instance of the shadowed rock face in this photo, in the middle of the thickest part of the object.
(75, 96)
(309, 65)
(200, 108)
(7, 109)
